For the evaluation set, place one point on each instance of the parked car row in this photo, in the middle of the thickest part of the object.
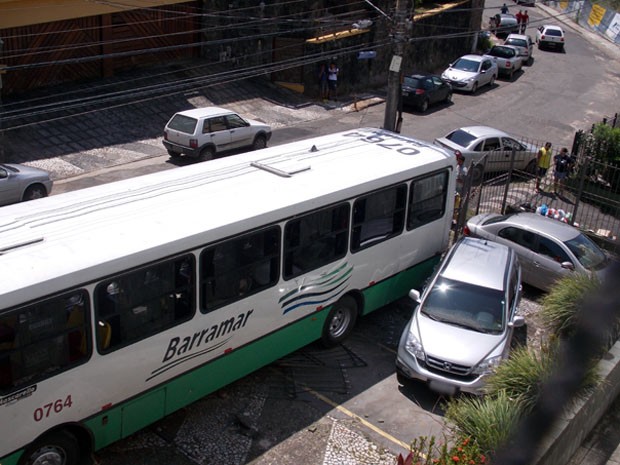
(465, 321)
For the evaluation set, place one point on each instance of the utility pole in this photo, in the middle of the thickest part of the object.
(392, 104)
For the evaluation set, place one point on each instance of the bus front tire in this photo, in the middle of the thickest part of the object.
(57, 448)
(340, 322)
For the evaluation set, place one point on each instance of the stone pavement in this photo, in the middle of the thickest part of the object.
(76, 129)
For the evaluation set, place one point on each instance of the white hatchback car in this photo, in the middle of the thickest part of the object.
(204, 132)
(464, 323)
(470, 72)
(549, 36)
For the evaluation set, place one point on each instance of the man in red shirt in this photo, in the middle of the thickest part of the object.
(519, 17)
(525, 19)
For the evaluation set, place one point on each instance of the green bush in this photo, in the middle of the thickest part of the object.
(490, 420)
(560, 307)
(521, 376)
(607, 143)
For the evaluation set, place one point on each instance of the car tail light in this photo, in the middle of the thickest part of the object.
(193, 143)
(561, 39)
(165, 135)
(419, 91)
(508, 64)
(466, 231)
(542, 37)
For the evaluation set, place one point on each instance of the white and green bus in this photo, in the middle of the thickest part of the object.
(122, 303)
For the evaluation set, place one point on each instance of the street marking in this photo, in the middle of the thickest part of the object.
(366, 423)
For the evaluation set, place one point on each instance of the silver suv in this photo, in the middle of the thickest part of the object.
(464, 323)
(204, 132)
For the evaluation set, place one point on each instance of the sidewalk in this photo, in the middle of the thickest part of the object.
(101, 125)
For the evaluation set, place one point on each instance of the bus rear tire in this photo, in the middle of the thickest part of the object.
(57, 448)
(340, 322)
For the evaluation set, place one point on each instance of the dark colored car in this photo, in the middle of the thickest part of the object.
(422, 90)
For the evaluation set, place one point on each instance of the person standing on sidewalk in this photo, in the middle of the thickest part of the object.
(543, 161)
(332, 77)
(562, 166)
(504, 9)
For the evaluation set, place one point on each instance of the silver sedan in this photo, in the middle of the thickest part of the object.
(548, 249)
(20, 182)
(475, 142)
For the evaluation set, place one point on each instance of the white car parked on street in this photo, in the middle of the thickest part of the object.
(549, 36)
(470, 72)
(204, 132)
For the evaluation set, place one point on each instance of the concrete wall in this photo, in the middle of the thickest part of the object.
(569, 431)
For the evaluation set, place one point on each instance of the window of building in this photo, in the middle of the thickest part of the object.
(315, 239)
(238, 267)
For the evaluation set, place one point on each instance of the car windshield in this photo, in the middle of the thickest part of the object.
(412, 82)
(465, 305)
(183, 123)
(460, 137)
(587, 252)
(466, 65)
(517, 42)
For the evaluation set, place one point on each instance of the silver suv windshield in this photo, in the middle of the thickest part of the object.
(466, 305)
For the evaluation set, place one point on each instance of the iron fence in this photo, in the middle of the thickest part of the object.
(589, 198)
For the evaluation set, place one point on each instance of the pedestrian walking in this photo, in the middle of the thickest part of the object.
(504, 9)
(332, 78)
(519, 18)
(323, 85)
(562, 166)
(525, 19)
(543, 161)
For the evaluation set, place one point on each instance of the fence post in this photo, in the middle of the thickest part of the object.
(577, 142)
(507, 186)
(579, 193)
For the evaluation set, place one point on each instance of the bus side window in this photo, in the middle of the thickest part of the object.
(427, 199)
(40, 340)
(315, 240)
(378, 216)
(238, 267)
(136, 305)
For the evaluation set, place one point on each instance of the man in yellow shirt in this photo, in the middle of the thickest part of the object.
(543, 161)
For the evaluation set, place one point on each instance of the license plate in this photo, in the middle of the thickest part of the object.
(442, 388)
